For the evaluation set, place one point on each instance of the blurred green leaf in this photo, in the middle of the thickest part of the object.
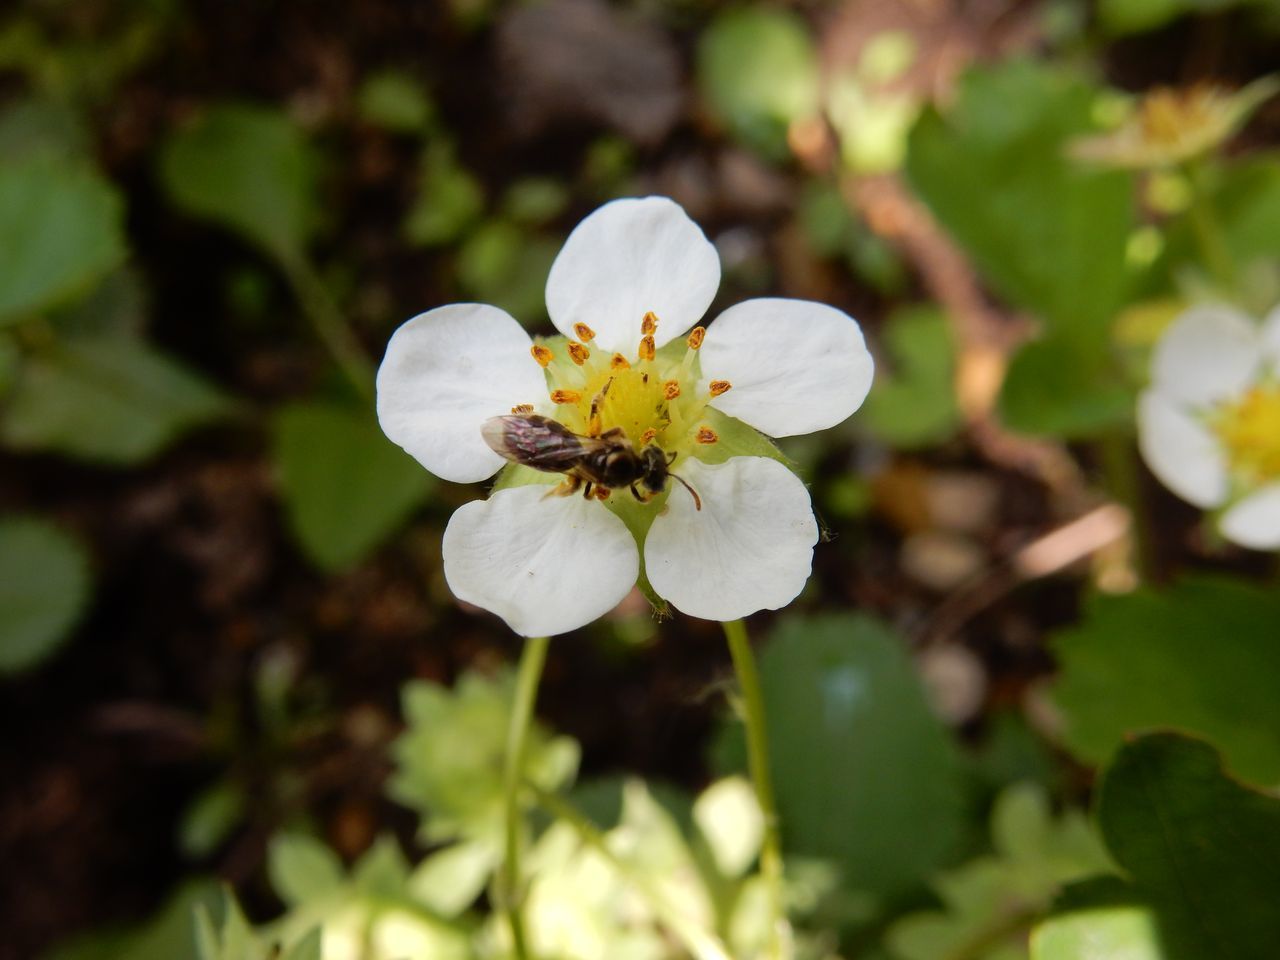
(1200, 656)
(449, 199)
(915, 405)
(1199, 846)
(302, 869)
(1061, 386)
(44, 584)
(758, 70)
(210, 818)
(1119, 17)
(1048, 235)
(223, 933)
(61, 229)
(504, 265)
(395, 101)
(450, 880)
(866, 774)
(35, 127)
(166, 936)
(116, 306)
(450, 758)
(346, 487)
(113, 399)
(535, 200)
(249, 169)
(1035, 854)
(1117, 932)
(383, 872)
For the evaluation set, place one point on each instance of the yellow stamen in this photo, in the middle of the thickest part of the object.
(649, 325)
(585, 333)
(719, 386)
(566, 396)
(542, 354)
(671, 389)
(706, 435)
(523, 409)
(578, 353)
(648, 436)
(1249, 429)
(619, 362)
(647, 348)
(695, 338)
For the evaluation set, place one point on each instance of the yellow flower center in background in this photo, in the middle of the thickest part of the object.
(1249, 430)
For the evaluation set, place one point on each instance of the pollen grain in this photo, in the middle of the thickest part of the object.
(585, 333)
(578, 353)
(695, 338)
(718, 387)
(671, 389)
(542, 354)
(649, 325)
(566, 396)
(647, 348)
(706, 435)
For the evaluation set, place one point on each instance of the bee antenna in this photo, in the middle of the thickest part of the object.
(672, 459)
(697, 500)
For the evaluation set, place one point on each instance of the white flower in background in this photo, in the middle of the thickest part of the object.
(631, 278)
(1209, 425)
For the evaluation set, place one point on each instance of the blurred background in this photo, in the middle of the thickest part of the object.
(220, 586)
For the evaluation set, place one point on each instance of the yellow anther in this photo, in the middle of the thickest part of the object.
(695, 338)
(619, 362)
(649, 325)
(578, 353)
(523, 409)
(706, 435)
(566, 396)
(671, 389)
(647, 348)
(648, 436)
(585, 333)
(719, 386)
(542, 354)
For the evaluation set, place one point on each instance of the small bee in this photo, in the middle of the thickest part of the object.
(604, 463)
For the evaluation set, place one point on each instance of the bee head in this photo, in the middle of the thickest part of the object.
(655, 468)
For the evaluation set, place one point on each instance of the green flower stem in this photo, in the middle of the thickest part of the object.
(1208, 230)
(744, 664)
(511, 893)
(1123, 474)
(329, 324)
(701, 944)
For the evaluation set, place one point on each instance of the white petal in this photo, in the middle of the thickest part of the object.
(545, 565)
(1208, 354)
(1271, 339)
(1255, 521)
(1181, 451)
(794, 366)
(448, 370)
(749, 548)
(628, 258)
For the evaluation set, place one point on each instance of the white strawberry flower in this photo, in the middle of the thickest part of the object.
(632, 277)
(1209, 424)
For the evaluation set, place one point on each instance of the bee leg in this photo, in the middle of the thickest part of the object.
(567, 488)
(636, 493)
(586, 491)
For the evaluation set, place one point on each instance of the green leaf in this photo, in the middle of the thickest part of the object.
(449, 199)
(504, 265)
(866, 774)
(382, 873)
(1048, 235)
(1200, 656)
(42, 127)
(249, 169)
(168, 935)
(106, 398)
(210, 818)
(394, 101)
(1119, 932)
(1062, 387)
(303, 869)
(450, 880)
(44, 584)
(1119, 17)
(915, 405)
(1200, 847)
(346, 487)
(758, 70)
(450, 757)
(61, 230)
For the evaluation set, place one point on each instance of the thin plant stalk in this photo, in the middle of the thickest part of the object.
(744, 664)
(329, 324)
(510, 885)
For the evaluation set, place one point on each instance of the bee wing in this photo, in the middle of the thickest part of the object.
(534, 441)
